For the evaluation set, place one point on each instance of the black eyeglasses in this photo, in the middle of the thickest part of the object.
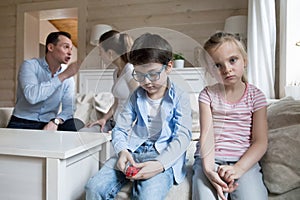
(152, 76)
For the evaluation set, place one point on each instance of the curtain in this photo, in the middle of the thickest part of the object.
(261, 45)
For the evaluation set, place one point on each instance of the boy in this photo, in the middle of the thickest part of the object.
(153, 131)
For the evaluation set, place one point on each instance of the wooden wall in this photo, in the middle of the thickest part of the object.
(196, 19)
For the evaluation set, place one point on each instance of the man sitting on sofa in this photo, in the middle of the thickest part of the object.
(44, 85)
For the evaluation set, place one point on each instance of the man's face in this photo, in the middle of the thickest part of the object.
(62, 51)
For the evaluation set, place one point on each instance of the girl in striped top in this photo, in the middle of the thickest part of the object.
(233, 125)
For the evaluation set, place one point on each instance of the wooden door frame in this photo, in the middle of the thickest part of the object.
(39, 6)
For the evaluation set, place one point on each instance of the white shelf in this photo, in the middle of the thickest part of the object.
(190, 79)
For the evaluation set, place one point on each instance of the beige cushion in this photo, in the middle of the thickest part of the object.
(285, 112)
(84, 107)
(291, 195)
(281, 163)
(5, 114)
(90, 107)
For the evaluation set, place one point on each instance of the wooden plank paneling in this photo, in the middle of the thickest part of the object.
(178, 19)
(105, 3)
(8, 52)
(7, 74)
(7, 10)
(7, 41)
(6, 84)
(162, 8)
(9, 22)
(6, 63)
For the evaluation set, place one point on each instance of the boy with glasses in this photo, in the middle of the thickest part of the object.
(153, 131)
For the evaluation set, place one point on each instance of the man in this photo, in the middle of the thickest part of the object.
(44, 86)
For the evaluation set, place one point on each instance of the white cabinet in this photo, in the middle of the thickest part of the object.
(44, 165)
(190, 79)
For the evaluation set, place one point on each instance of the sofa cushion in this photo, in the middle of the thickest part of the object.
(5, 114)
(90, 107)
(282, 113)
(281, 163)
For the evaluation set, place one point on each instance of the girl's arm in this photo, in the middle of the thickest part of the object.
(256, 150)
(207, 151)
(207, 144)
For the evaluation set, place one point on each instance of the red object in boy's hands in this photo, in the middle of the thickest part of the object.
(132, 171)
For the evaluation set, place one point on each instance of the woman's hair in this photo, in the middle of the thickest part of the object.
(219, 38)
(118, 42)
(150, 48)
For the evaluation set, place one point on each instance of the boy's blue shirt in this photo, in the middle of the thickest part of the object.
(131, 127)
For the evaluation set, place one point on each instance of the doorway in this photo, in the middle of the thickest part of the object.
(29, 18)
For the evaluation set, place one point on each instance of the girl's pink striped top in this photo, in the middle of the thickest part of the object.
(232, 122)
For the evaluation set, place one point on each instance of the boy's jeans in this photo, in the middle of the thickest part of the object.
(109, 180)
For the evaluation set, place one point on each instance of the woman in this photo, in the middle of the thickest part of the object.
(113, 49)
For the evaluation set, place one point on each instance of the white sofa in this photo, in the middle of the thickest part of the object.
(280, 165)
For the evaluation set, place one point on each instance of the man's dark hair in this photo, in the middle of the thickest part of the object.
(150, 48)
(52, 38)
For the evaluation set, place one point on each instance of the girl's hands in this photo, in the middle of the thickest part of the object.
(218, 184)
(230, 172)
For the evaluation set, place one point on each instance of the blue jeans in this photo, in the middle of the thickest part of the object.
(250, 186)
(109, 180)
(72, 124)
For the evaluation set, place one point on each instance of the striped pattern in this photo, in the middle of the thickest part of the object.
(233, 121)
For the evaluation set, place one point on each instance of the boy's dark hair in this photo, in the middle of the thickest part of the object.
(150, 48)
(52, 38)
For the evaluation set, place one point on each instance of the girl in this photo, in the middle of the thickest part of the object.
(233, 127)
(113, 49)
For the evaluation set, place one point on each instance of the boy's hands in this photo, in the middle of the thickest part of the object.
(147, 170)
(124, 157)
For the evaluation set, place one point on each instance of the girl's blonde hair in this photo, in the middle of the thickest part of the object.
(220, 38)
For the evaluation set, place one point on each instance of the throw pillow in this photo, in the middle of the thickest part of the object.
(284, 112)
(281, 163)
(83, 107)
